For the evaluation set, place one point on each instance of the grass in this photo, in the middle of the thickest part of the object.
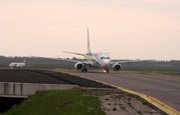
(129, 99)
(65, 102)
(114, 109)
(157, 70)
(123, 108)
(139, 112)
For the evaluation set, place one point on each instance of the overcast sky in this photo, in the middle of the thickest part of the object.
(129, 29)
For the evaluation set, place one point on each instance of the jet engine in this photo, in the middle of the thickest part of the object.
(117, 67)
(79, 65)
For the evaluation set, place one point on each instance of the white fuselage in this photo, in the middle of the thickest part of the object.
(17, 65)
(98, 60)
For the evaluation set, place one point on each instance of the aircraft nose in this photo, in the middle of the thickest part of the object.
(106, 63)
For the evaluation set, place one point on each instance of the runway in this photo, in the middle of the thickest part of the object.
(163, 88)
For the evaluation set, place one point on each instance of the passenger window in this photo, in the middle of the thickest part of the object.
(104, 57)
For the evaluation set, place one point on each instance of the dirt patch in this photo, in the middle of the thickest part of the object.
(116, 102)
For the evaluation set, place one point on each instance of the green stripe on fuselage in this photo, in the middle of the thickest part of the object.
(96, 62)
(89, 56)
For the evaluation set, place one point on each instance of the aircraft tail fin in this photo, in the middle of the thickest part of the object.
(88, 47)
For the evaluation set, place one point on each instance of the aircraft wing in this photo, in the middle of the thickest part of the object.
(67, 60)
(74, 53)
(121, 62)
(75, 61)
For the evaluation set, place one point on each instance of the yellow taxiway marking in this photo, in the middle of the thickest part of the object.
(167, 109)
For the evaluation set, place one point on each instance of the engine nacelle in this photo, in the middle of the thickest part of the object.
(117, 67)
(79, 65)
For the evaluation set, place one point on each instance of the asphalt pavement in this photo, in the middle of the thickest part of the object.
(163, 88)
(46, 77)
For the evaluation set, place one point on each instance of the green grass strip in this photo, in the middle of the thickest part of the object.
(61, 102)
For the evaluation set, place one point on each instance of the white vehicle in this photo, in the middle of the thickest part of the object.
(17, 64)
(95, 60)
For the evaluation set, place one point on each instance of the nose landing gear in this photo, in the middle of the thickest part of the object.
(106, 71)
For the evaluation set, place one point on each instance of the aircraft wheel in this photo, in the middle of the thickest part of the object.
(85, 69)
(107, 70)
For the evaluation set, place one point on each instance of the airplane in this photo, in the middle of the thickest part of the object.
(95, 60)
(17, 64)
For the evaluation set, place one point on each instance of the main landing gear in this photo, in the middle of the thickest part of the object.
(84, 70)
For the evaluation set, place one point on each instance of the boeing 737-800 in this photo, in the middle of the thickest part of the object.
(96, 60)
(17, 64)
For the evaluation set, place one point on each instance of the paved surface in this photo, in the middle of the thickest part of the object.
(45, 77)
(25, 76)
(164, 88)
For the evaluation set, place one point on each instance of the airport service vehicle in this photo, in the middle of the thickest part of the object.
(17, 64)
(95, 60)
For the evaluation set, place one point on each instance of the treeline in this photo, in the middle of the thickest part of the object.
(56, 62)
(33, 61)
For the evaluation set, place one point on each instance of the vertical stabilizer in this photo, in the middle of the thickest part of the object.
(88, 47)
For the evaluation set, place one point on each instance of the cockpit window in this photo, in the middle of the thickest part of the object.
(104, 57)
